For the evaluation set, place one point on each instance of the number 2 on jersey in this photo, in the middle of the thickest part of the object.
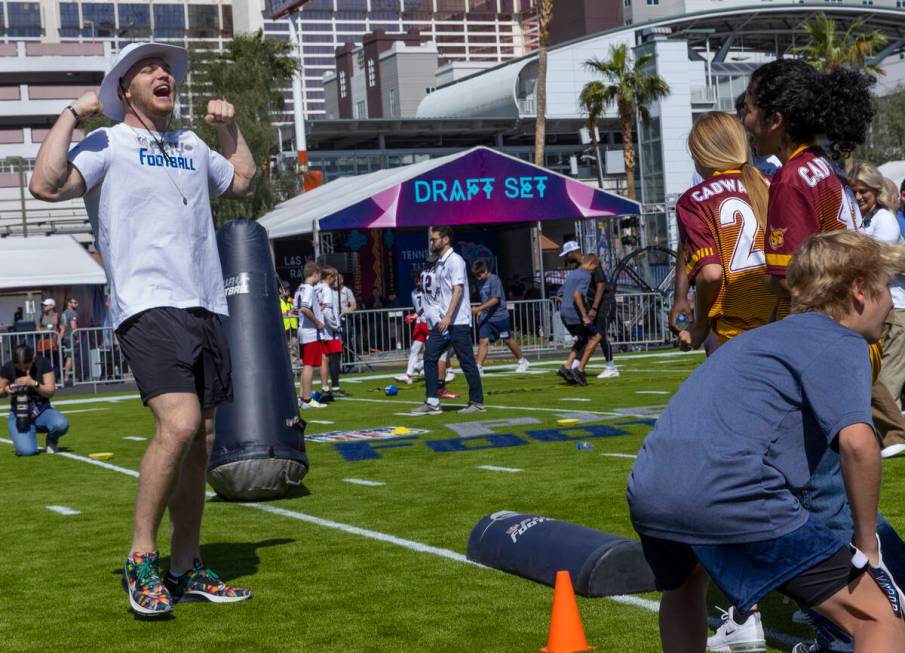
(427, 283)
(748, 253)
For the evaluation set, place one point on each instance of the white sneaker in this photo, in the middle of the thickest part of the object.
(404, 378)
(522, 366)
(450, 376)
(608, 373)
(892, 450)
(731, 637)
(313, 403)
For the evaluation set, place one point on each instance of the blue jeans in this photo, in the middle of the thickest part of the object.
(824, 497)
(460, 338)
(52, 422)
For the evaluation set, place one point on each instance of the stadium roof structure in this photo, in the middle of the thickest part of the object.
(475, 186)
(63, 262)
(731, 35)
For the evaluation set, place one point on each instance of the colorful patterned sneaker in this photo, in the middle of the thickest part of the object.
(141, 579)
(203, 584)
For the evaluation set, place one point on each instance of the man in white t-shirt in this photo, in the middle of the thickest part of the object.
(147, 192)
(454, 326)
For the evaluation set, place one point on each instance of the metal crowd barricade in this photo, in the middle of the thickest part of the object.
(96, 357)
(640, 321)
(43, 343)
(377, 336)
(533, 327)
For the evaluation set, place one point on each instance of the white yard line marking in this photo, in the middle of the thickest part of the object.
(575, 399)
(619, 455)
(494, 468)
(651, 392)
(69, 412)
(361, 481)
(63, 510)
(136, 438)
(623, 359)
(412, 545)
(95, 400)
(528, 408)
(319, 421)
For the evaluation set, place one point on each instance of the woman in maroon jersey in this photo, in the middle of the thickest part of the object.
(789, 106)
(721, 222)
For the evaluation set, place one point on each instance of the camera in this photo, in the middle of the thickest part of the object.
(22, 407)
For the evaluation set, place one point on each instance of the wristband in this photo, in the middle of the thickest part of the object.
(75, 114)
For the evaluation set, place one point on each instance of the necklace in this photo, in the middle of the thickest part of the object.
(163, 151)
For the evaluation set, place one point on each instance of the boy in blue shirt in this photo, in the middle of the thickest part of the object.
(492, 315)
(713, 489)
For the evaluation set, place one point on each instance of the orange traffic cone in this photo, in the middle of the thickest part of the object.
(566, 631)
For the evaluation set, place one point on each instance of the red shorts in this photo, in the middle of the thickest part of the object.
(420, 332)
(312, 353)
(334, 346)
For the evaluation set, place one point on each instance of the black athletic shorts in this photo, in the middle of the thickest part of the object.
(673, 562)
(178, 350)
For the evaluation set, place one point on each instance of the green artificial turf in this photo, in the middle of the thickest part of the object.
(322, 589)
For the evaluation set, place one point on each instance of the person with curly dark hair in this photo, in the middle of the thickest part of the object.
(789, 105)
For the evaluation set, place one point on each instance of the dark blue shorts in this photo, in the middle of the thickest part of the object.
(495, 330)
(809, 565)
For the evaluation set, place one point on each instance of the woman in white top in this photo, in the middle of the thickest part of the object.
(879, 222)
(876, 204)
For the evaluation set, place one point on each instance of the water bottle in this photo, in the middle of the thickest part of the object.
(681, 322)
(584, 445)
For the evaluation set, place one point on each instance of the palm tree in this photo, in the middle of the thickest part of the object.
(592, 103)
(852, 49)
(540, 89)
(251, 73)
(626, 84)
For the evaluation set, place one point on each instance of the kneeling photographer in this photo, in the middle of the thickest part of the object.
(29, 381)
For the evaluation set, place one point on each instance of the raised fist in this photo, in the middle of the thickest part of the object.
(89, 104)
(220, 112)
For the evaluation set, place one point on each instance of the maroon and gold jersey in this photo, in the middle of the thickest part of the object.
(808, 195)
(717, 225)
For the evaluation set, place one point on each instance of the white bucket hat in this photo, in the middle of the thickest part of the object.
(177, 58)
(569, 246)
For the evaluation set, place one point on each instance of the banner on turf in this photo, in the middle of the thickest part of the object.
(383, 433)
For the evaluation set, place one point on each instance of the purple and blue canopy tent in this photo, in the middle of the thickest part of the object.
(477, 186)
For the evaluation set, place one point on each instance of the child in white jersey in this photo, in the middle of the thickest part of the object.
(333, 347)
(311, 331)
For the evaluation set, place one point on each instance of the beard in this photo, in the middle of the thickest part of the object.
(149, 107)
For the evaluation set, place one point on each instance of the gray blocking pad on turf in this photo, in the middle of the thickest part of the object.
(259, 445)
(535, 547)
